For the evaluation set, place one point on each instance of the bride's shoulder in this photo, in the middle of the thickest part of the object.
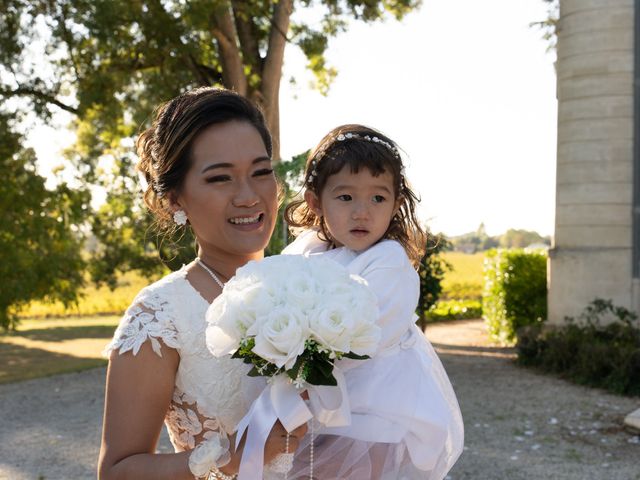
(165, 287)
(151, 317)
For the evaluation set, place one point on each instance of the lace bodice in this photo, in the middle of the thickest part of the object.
(211, 394)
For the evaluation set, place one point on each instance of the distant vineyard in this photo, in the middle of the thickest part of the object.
(93, 301)
(465, 278)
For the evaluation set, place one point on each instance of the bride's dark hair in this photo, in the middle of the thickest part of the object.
(360, 147)
(164, 148)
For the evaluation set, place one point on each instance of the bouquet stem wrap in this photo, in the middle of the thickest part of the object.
(281, 400)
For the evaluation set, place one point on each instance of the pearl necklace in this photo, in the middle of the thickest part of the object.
(210, 272)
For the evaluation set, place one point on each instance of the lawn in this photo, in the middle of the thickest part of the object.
(43, 347)
(93, 300)
(465, 280)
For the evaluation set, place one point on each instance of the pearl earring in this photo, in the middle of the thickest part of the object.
(180, 217)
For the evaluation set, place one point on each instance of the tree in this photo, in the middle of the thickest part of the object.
(108, 63)
(112, 61)
(514, 238)
(431, 271)
(40, 251)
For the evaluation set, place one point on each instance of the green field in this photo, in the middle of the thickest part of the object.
(465, 279)
(51, 339)
(93, 301)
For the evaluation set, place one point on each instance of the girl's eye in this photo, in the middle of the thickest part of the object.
(218, 179)
(378, 199)
(344, 198)
(263, 172)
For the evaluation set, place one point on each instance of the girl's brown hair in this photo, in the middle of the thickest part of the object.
(164, 149)
(360, 147)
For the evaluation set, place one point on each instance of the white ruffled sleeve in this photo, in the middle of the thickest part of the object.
(396, 284)
(149, 318)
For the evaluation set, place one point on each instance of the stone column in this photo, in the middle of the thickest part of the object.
(592, 251)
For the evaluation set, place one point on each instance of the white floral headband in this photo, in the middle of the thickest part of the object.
(341, 138)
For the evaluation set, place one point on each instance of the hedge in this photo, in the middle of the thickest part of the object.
(515, 291)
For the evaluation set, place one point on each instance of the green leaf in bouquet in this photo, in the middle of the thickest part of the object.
(316, 376)
(355, 356)
(325, 367)
(255, 372)
(294, 371)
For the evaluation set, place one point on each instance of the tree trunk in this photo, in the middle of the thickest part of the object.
(272, 71)
(225, 33)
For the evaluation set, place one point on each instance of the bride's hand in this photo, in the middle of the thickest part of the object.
(275, 445)
(277, 441)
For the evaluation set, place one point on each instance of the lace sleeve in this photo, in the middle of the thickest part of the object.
(148, 318)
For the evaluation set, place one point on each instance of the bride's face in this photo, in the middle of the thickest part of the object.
(230, 191)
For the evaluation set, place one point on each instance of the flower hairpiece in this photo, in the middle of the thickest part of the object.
(341, 138)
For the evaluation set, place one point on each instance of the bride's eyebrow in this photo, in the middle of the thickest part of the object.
(214, 166)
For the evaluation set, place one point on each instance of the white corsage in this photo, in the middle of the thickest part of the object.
(208, 456)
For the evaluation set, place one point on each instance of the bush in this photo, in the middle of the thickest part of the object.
(586, 352)
(462, 290)
(454, 310)
(431, 270)
(515, 292)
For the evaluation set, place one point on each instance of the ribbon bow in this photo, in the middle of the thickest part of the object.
(281, 400)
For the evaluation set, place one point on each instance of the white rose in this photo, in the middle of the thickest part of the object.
(330, 325)
(365, 339)
(302, 292)
(280, 336)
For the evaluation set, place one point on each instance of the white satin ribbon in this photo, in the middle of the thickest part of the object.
(281, 400)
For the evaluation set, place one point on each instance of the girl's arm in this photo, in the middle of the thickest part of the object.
(394, 281)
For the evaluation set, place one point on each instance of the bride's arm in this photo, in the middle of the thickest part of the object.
(138, 394)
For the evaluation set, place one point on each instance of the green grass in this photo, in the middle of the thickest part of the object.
(465, 280)
(43, 347)
(93, 301)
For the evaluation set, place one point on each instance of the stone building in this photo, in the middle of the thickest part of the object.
(596, 247)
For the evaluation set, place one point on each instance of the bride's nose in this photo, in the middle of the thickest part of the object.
(245, 196)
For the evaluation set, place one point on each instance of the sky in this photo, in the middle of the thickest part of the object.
(465, 87)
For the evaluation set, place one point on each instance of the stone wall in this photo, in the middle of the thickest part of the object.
(592, 252)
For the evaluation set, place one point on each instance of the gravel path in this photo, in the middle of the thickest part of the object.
(519, 424)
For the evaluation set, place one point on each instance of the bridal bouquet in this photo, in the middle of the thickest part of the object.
(294, 315)
(291, 317)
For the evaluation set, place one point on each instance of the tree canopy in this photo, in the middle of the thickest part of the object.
(40, 248)
(109, 63)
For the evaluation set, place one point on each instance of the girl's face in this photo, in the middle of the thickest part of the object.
(357, 207)
(230, 192)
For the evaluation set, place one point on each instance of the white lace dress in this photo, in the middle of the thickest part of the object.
(211, 394)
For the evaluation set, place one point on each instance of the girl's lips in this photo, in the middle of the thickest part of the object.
(359, 232)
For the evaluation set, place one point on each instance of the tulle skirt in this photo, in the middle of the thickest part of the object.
(406, 422)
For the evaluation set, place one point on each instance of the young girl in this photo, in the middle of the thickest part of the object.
(359, 210)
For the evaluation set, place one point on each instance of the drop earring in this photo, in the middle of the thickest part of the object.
(180, 217)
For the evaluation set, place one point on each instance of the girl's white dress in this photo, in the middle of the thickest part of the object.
(406, 422)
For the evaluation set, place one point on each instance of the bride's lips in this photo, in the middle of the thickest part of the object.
(247, 222)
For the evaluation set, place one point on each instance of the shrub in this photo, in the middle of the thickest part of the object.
(454, 310)
(431, 270)
(515, 291)
(462, 290)
(587, 352)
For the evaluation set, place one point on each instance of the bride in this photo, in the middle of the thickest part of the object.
(206, 159)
